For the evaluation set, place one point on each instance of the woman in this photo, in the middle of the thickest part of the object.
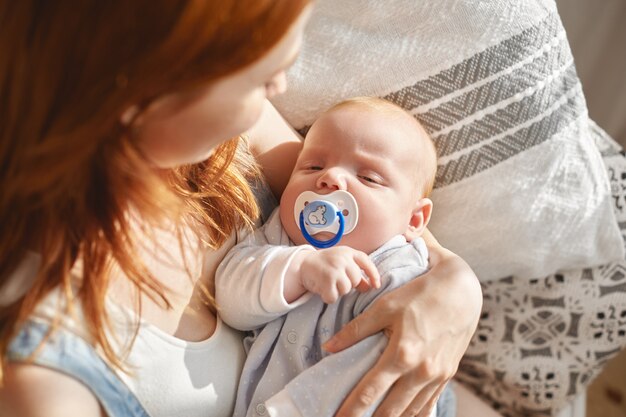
(117, 176)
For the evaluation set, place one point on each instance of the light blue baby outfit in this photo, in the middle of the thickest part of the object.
(286, 356)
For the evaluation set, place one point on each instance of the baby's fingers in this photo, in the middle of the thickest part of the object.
(364, 285)
(330, 295)
(369, 270)
(344, 286)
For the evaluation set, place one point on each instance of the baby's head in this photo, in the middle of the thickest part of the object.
(378, 153)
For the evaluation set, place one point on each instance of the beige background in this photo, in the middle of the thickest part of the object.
(596, 30)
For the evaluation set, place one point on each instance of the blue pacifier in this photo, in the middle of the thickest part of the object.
(336, 213)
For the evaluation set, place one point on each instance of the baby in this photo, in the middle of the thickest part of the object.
(360, 185)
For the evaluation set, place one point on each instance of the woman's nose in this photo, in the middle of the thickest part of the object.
(281, 81)
(278, 85)
(332, 179)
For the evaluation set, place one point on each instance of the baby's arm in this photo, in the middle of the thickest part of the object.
(270, 279)
(264, 276)
(249, 285)
(330, 273)
(250, 279)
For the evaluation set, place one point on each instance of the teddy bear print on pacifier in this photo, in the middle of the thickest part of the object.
(336, 213)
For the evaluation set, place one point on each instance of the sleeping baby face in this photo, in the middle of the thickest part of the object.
(375, 155)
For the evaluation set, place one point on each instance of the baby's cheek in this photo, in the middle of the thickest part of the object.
(288, 223)
(370, 234)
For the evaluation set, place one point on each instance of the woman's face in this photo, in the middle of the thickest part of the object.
(184, 128)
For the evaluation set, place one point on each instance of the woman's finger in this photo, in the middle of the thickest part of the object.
(365, 324)
(368, 391)
(419, 410)
(401, 396)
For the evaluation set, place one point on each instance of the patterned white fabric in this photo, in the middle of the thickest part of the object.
(521, 189)
(540, 342)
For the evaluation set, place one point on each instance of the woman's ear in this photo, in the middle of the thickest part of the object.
(420, 217)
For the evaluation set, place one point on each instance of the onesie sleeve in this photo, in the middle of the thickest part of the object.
(398, 262)
(249, 282)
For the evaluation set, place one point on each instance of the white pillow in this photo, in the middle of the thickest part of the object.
(521, 189)
(540, 342)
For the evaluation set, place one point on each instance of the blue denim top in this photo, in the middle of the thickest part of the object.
(67, 353)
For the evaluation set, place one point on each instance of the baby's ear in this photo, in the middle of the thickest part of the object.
(419, 218)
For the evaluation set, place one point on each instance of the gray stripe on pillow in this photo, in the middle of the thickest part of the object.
(508, 117)
(488, 62)
(502, 149)
(546, 67)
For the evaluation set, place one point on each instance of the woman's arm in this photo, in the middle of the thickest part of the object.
(429, 322)
(35, 391)
(275, 145)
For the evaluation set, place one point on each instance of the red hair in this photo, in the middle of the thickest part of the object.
(68, 171)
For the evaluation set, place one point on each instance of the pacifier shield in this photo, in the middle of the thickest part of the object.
(321, 216)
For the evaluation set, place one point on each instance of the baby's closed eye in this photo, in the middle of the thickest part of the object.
(370, 178)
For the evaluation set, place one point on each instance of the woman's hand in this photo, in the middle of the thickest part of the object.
(429, 323)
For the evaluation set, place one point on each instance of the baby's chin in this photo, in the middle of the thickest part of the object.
(298, 238)
(325, 236)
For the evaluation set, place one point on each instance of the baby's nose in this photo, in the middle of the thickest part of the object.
(333, 179)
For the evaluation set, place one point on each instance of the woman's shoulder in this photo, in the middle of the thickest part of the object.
(58, 367)
(31, 391)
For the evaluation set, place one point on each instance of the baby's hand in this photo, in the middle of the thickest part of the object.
(333, 272)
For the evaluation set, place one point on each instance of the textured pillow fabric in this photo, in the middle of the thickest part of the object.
(521, 189)
(540, 342)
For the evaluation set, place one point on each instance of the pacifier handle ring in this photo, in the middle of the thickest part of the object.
(322, 244)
